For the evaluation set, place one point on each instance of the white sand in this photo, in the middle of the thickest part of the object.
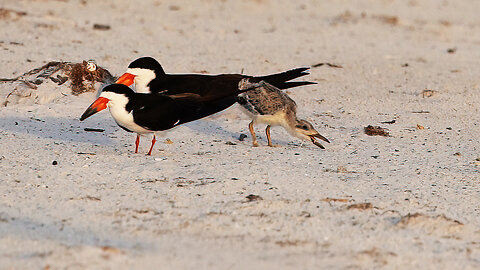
(185, 206)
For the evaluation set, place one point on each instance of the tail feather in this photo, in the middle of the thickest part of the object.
(280, 80)
(286, 85)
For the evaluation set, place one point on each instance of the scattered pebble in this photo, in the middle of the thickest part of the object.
(103, 27)
(389, 122)
(253, 197)
(94, 129)
(428, 93)
(451, 50)
(242, 137)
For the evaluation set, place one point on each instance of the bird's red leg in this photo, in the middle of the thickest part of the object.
(151, 147)
(137, 142)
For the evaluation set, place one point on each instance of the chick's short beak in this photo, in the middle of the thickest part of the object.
(314, 137)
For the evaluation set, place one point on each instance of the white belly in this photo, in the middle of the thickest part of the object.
(125, 119)
(277, 119)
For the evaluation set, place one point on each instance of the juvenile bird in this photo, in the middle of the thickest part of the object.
(269, 105)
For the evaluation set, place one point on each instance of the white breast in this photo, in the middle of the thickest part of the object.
(125, 119)
(277, 119)
(116, 105)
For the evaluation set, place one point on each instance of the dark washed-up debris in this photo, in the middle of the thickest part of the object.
(103, 27)
(94, 129)
(253, 197)
(82, 76)
(376, 131)
(327, 64)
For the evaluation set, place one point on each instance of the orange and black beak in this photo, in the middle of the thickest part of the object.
(126, 79)
(97, 105)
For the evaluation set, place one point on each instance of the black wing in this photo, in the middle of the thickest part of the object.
(203, 85)
(161, 112)
(214, 85)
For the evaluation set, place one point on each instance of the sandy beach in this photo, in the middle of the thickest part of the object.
(73, 199)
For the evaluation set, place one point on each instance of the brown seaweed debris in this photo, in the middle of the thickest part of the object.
(82, 76)
(376, 131)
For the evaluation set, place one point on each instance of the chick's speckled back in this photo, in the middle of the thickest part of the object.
(266, 99)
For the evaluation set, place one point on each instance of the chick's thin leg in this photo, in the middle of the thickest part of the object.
(254, 138)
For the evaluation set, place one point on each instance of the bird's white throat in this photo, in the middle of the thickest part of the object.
(142, 78)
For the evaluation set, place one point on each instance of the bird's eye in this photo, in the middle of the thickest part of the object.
(305, 127)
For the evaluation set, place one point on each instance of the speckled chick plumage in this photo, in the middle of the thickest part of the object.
(269, 105)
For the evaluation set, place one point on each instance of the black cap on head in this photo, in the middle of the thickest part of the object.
(147, 63)
(119, 89)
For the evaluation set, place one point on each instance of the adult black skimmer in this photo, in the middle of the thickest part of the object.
(269, 105)
(149, 77)
(152, 113)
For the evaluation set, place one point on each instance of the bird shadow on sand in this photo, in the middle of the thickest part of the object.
(222, 130)
(58, 129)
(213, 128)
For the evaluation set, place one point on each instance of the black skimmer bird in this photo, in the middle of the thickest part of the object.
(152, 113)
(269, 105)
(149, 77)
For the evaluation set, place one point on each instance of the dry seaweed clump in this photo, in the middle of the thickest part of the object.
(376, 131)
(84, 75)
(46, 83)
